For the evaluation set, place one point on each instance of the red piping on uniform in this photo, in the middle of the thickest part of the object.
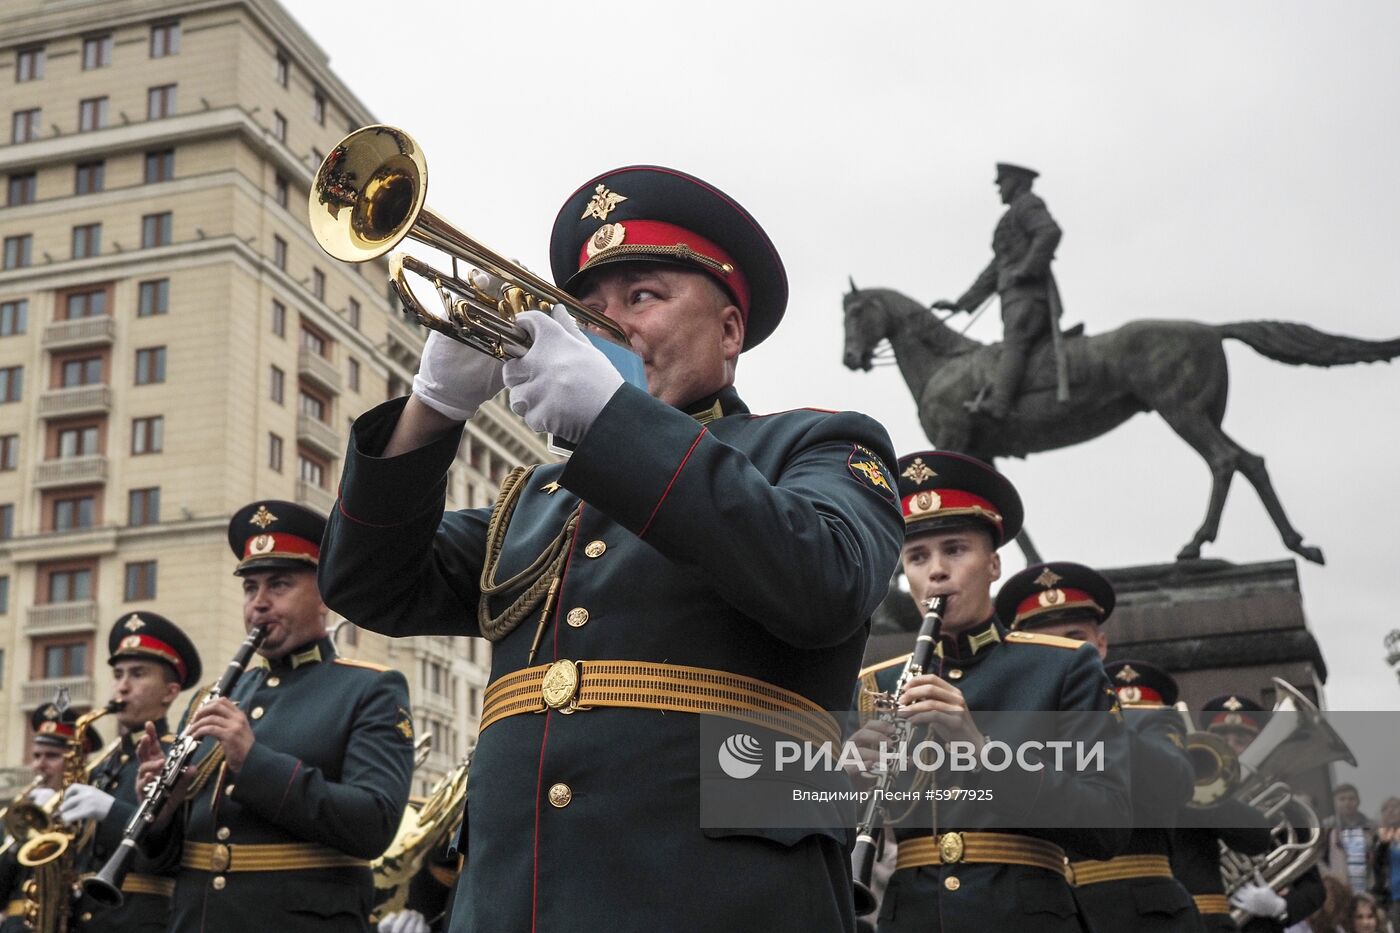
(544, 737)
(674, 476)
(287, 789)
(340, 507)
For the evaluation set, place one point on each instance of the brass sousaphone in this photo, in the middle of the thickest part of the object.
(369, 195)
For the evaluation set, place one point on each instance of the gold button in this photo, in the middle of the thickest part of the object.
(951, 883)
(273, 681)
(560, 795)
(955, 674)
(219, 882)
(595, 548)
(258, 713)
(125, 758)
(86, 917)
(228, 791)
(223, 833)
(577, 616)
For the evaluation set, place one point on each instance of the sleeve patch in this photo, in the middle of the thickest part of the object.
(866, 466)
(405, 724)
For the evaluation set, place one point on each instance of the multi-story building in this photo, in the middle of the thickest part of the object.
(174, 344)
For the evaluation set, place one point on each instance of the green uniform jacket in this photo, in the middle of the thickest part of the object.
(1015, 671)
(1162, 782)
(1196, 853)
(331, 763)
(754, 544)
(140, 913)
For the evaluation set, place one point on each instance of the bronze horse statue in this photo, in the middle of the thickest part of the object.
(1175, 368)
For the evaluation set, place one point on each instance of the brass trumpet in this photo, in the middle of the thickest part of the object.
(369, 195)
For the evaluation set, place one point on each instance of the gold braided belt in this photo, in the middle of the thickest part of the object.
(148, 884)
(1122, 868)
(288, 856)
(981, 848)
(1212, 904)
(570, 686)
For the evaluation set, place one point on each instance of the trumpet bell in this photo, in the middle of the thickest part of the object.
(43, 849)
(368, 193)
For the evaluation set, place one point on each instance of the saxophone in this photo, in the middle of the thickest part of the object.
(51, 850)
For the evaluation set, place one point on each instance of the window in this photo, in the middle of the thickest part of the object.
(89, 177)
(353, 375)
(153, 298)
(65, 660)
(160, 165)
(97, 52)
(160, 102)
(7, 521)
(70, 586)
(74, 513)
(143, 506)
(147, 435)
(19, 251)
(315, 342)
(4, 608)
(91, 303)
(279, 127)
(279, 319)
(155, 229)
(84, 371)
(274, 452)
(318, 108)
(280, 191)
(279, 252)
(277, 385)
(165, 40)
(352, 311)
(21, 189)
(284, 69)
(87, 240)
(311, 470)
(150, 366)
(9, 451)
(11, 383)
(92, 114)
(14, 317)
(312, 405)
(29, 64)
(318, 284)
(25, 126)
(78, 441)
(140, 581)
(352, 634)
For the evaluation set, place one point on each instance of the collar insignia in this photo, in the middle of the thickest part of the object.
(262, 518)
(713, 413)
(134, 623)
(602, 203)
(1127, 674)
(311, 655)
(979, 640)
(918, 471)
(1048, 578)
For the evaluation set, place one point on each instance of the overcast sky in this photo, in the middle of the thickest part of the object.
(1207, 161)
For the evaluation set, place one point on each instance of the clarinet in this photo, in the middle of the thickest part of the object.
(105, 887)
(863, 856)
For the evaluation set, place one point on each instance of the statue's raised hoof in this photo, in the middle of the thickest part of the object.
(1192, 551)
(1313, 554)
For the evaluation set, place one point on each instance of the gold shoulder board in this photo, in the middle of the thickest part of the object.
(876, 668)
(1035, 638)
(367, 665)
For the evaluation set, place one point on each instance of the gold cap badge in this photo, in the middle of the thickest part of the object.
(1127, 674)
(134, 623)
(261, 544)
(1048, 578)
(602, 203)
(918, 471)
(605, 237)
(1233, 704)
(262, 517)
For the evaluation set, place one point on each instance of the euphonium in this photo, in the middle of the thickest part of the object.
(369, 195)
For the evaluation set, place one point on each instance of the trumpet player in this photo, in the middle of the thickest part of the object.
(1136, 889)
(686, 541)
(958, 511)
(152, 661)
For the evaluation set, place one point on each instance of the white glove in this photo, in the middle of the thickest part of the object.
(404, 921)
(84, 802)
(41, 795)
(563, 382)
(453, 379)
(1259, 900)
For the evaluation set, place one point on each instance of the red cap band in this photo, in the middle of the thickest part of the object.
(55, 727)
(1234, 720)
(279, 544)
(145, 645)
(1065, 597)
(1139, 696)
(615, 241)
(936, 503)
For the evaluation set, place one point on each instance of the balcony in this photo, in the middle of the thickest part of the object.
(313, 496)
(318, 369)
(80, 333)
(319, 436)
(81, 691)
(59, 618)
(71, 470)
(80, 400)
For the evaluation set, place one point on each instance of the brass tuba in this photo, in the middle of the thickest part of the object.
(369, 195)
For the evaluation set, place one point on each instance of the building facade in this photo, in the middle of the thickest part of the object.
(174, 344)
